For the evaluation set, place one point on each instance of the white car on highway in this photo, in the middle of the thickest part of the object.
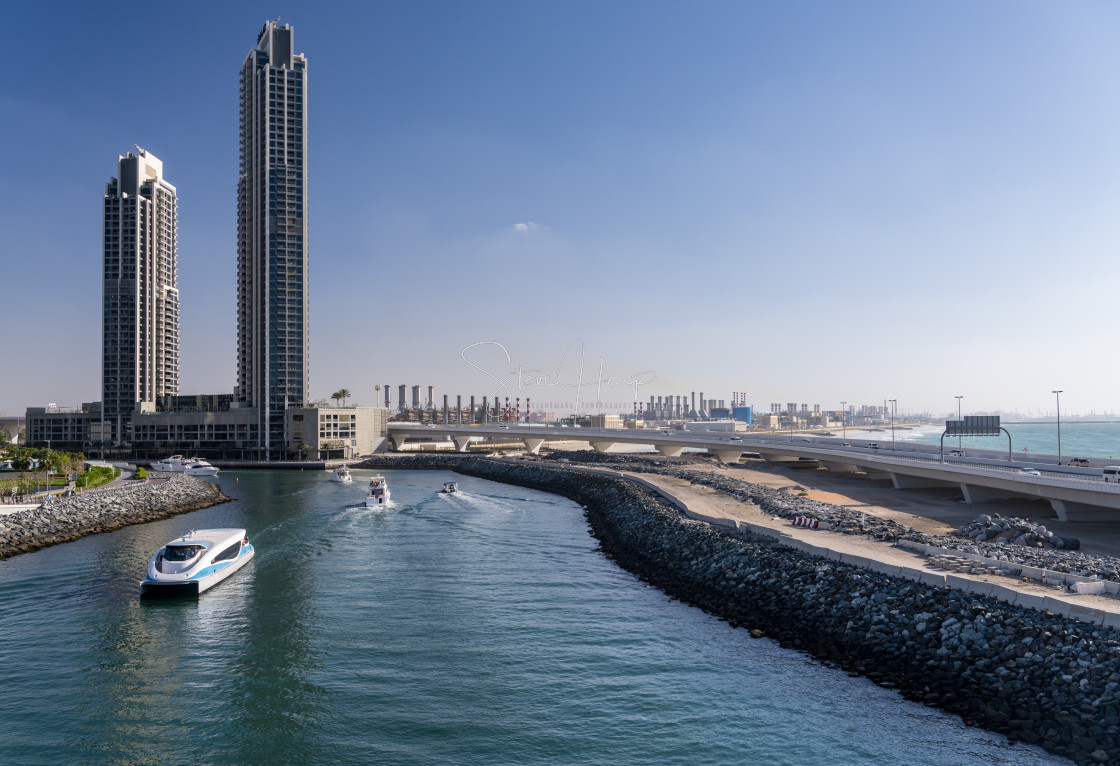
(1029, 472)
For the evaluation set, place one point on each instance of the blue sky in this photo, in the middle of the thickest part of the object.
(806, 201)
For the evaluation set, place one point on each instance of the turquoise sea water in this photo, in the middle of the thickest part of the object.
(481, 628)
(1078, 438)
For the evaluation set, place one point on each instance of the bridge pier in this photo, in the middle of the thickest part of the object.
(669, 450)
(397, 442)
(1068, 510)
(533, 446)
(602, 446)
(901, 481)
(726, 456)
(461, 442)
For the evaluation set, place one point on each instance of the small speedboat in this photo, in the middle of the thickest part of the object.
(195, 562)
(378, 492)
(450, 487)
(342, 473)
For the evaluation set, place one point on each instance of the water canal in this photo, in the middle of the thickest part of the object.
(477, 628)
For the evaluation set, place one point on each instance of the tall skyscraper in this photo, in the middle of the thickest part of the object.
(140, 306)
(272, 305)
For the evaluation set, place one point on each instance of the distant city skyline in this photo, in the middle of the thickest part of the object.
(870, 202)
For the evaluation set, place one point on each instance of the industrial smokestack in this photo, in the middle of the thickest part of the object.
(432, 396)
(386, 396)
(416, 397)
(402, 397)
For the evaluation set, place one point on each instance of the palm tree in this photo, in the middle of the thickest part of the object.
(337, 395)
(343, 394)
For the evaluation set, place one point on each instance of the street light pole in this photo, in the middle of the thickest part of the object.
(958, 418)
(844, 419)
(894, 408)
(1058, 400)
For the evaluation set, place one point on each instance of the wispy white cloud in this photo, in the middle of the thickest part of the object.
(527, 226)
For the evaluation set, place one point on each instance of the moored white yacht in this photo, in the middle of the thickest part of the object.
(342, 473)
(199, 467)
(173, 464)
(191, 466)
(378, 492)
(197, 561)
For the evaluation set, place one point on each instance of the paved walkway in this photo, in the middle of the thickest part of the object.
(14, 508)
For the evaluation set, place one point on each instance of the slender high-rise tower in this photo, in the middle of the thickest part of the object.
(272, 305)
(140, 294)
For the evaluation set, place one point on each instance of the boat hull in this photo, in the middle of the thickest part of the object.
(195, 585)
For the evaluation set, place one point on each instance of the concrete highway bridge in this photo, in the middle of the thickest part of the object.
(1075, 494)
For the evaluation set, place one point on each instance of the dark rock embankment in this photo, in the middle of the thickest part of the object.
(1032, 676)
(69, 518)
(419, 460)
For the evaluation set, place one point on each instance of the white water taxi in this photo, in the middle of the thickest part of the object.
(450, 487)
(378, 492)
(342, 473)
(195, 562)
(191, 466)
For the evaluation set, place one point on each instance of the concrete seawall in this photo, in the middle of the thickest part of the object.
(90, 513)
(1035, 677)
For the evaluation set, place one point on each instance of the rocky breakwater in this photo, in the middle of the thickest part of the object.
(1029, 675)
(422, 461)
(996, 528)
(93, 512)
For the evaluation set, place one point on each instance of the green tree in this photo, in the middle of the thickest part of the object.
(75, 463)
(344, 394)
(336, 396)
(5, 437)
